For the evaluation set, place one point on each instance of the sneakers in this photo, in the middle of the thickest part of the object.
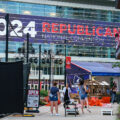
(88, 110)
(57, 114)
(51, 114)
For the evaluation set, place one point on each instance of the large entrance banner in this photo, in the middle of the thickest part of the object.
(57, 30)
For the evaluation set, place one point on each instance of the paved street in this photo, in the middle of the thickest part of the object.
(45, 115)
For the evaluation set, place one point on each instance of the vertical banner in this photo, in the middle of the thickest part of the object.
(68, 62)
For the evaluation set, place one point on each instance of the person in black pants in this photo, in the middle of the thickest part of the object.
(66, 92)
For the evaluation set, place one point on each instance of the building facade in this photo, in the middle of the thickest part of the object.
(95, 22)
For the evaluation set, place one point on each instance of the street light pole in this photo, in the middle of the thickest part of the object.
(27, 47)
(65, 63)
(50, 70)
(7, 36)
(39, 70)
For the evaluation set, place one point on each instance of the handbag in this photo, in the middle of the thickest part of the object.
(51, 95)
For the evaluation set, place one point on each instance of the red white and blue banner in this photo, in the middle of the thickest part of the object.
(57, 30)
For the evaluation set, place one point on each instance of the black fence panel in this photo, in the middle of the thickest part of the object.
(26, 72)
(11, 88)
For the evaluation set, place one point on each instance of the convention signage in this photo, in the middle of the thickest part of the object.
(33, 98)
(57, 30)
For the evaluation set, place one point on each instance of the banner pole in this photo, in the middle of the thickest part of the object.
(65, 63)
(50, 69)
(27, 48)
(7, 36)
(39, 71)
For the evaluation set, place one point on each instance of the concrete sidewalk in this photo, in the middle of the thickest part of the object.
(45, 114)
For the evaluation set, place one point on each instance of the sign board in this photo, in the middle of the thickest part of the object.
(33, 98)
(57, 30)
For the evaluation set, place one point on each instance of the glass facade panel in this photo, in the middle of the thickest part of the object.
(59, 11)
(50, 11)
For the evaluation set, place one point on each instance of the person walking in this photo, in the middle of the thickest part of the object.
(81, 92)
(114, 89)
(54, 95)
(87, 90)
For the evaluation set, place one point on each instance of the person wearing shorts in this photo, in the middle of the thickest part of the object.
(81, 92)
(53, 96)
(86, 97)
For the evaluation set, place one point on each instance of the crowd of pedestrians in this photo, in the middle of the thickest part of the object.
(54, 95)
(82, 91)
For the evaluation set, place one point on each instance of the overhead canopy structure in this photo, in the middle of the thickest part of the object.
(93, 68)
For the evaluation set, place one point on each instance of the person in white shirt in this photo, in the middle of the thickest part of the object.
(66, 93)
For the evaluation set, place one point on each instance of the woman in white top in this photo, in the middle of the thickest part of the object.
(66, 93)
